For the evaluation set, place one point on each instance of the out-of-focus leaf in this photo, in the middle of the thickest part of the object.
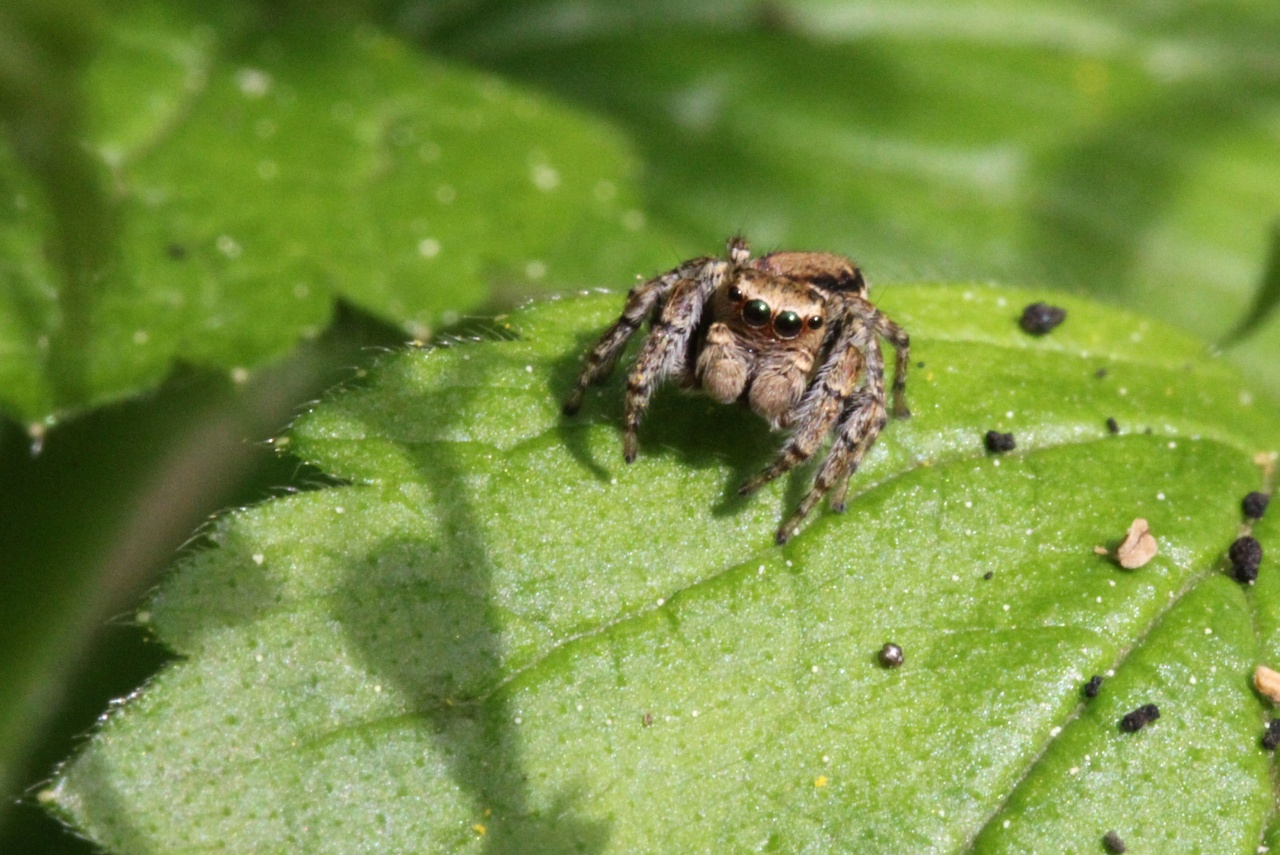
(263, 167)
(1125, 150)
(498, 638)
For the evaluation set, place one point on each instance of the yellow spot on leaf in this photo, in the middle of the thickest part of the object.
(820, 781)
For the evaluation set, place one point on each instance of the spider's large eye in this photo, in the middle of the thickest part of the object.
(757, 313)
(815, 322)
(734, 294)
(787, 325)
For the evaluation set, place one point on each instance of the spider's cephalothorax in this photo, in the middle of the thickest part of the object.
(790, 334)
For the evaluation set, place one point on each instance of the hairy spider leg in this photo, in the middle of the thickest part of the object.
(864, 418)
(901, 342)
(643, 303)
(665, 352)
(819, 409)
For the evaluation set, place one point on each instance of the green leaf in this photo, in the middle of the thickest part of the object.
(1101, 148)
(263, 165)
(493, 636)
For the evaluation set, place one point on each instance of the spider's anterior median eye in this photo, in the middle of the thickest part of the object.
(734, 294)
(757, 313)
(787, 324)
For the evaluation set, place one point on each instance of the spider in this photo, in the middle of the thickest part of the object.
(790, 334)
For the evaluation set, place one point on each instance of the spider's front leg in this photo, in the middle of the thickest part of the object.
(864, 417)
(665, 351)
(642, 303)
(819, 410)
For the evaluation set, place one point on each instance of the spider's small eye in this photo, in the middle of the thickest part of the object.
(734, 294)
(757, 313)
(788, 324)
(815, 322)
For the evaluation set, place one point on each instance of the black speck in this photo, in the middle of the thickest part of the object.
(1246, 556)
(1092, 687)
(891, 655)
(1112, 425)
(1272, 737)
(1040, 318)
(988, 575)
(1148, 431)
(920, 365)
(1114, 843)
(999, 442)
(1100, 373)
(1254, 505)
(176, 251)
(1139, 718)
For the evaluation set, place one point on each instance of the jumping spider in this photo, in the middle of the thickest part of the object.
(790, 334)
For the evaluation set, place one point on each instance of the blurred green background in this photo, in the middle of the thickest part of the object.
(211, 212)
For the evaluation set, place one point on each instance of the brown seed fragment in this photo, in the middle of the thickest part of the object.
(891, 655)
(999, 442)
(1139, 546)
(1267, 682)
(1040, 318)
(1114, 843)
(1254, 505)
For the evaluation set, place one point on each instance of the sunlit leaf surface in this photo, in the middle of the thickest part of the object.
(494, 636)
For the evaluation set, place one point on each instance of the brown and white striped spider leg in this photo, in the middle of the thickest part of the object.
(901, 342)
(666, 351)
(856, 433)
(820, 409)
(643, 303)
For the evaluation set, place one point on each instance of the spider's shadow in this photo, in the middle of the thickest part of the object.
(699, 432)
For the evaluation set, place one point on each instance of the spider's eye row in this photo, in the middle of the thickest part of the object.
(815, 322)
(757, 313)
(734, 294)
(788, 324)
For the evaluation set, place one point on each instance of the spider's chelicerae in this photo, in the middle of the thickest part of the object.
(790, 334)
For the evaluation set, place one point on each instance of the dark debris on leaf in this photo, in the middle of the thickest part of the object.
(999, 443)
(1272, 737)
(1114, 843)
(1246, 556)
(1112, 425)
(1040, 318)
(1139, 718)
(1092, 687)
(891, 655)
(1255, 504)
